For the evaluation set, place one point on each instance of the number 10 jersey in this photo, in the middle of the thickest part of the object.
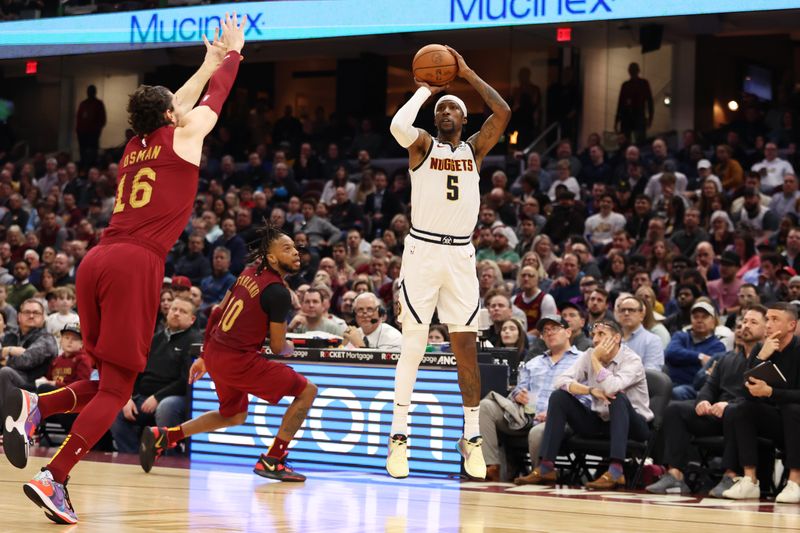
(445, 197)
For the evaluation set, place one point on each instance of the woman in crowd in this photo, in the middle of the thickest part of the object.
(651, 322)
(532, 259)
(658, 264)
(513, 335)
(721, 232)
(616, 274)
(543, 246)
(339, 179)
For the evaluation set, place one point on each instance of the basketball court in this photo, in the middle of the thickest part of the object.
(110, 495)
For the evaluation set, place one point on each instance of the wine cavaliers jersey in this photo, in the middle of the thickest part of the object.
(155, 193)
(244, 324)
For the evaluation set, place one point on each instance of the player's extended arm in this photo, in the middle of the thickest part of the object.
(186, 97)
(495, 125)
(201, 120)
(416, 140)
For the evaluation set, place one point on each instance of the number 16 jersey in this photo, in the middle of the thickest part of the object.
(445, 197)
(155, 192)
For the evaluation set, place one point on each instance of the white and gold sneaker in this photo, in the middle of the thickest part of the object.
(397, 460)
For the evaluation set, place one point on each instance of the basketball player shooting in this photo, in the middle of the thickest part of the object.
(256, 305)
(438, 268)
(120, 279)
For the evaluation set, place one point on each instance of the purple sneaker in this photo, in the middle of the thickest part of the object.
(20, 417)
(52, 497)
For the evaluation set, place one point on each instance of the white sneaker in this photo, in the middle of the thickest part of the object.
(471, 451)
(790, 493)
(397, 460)
(743, 489)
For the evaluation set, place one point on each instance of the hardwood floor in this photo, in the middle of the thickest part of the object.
(207, 497)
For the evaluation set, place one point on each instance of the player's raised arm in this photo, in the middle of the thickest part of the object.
(186, 97)
(199, 122)
(495, 125)
(416, 140)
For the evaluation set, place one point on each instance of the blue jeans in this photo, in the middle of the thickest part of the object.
(683, 392)
(171, 411)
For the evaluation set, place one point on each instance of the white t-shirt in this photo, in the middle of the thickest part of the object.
(570, 183)
(56, 322)
(776, 170)
(600, 229)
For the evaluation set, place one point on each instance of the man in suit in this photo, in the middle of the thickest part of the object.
(381, 205)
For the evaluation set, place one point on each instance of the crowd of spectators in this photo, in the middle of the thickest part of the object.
(673, 242)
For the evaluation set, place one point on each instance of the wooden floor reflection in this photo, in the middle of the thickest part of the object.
(120, 497)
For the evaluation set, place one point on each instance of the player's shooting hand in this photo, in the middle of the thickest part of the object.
(130, 411)
(463, 69)
(434, 89)
(233, 32)
(198, 370)
(150, 404)
(215, 50)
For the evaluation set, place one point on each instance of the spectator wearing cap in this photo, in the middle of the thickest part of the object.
(614, 377)
(72, 364)
(689, 350)
(193, 264)
(27, 353)
(785, 201)
(564, 177)
(704, 172)
(630, 314)
(159, 394)
(180, 286)
(215, 285)
(772, 168)
(501, 251)
(685, 295)
(623, 199)
(524, 411)
(724, 292)
(600, 227)
(567, 218)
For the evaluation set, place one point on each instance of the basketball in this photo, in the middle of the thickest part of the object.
(435, 65)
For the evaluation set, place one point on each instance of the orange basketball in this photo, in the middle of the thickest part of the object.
(435, 65)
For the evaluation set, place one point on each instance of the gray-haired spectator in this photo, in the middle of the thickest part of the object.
(26, 354)
(786, 201)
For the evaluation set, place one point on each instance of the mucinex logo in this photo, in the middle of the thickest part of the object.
(472, 10)
(162, 28)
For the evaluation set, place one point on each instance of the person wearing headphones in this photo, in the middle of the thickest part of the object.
(372, 331)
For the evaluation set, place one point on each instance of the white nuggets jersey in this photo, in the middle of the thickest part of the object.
(445, 197)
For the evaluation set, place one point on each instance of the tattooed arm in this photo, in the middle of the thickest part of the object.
(495, 125)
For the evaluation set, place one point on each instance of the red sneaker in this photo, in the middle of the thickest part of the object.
(279, 469)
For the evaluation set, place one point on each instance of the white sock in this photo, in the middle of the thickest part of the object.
(400, 419)
(471, 427)
(412, 350)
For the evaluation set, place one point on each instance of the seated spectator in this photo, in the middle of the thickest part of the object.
(321, 233)
(576, 319)
(220, 280)
(728, 169)
(600, 227)
(597, 307)
(72, 364)
(692, 233)
(357, 249)
(703, 417)
(689, 350)
(615, 379)
(754, 216)
(22, 289)
(193, 264)
(512, 335)
(786, 200)
(345, 214)
(501, 251)
(65, 310)
(372, 331)
(159, 394)
(685, 295)
(566, 218)
(312, 315)
(533, 301)
(630, 313)
(62, 270)
(9, 313)
(725, 290)
(232, 242)
(769, 411)
(26, 355)
(524, 411)
(567, 285)
(773, 169)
